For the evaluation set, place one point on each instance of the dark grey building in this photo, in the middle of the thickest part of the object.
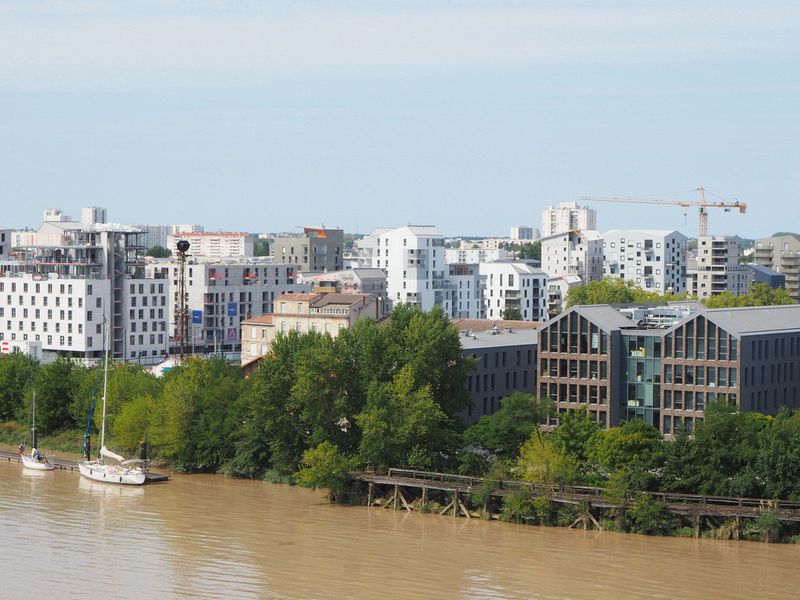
(665, 364)
(505, 363)
(771, 277)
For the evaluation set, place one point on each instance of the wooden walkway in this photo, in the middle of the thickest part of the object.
(460, 485)
(71, 465)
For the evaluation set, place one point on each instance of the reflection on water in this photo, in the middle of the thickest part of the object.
(206, 536)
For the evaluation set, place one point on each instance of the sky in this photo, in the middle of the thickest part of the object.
(473, 116)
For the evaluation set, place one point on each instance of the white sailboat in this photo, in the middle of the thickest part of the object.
(35, 461)
(125, 472)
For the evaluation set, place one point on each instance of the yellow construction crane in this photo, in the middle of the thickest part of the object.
(702, 204)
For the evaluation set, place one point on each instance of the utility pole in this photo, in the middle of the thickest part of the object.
(181, 309)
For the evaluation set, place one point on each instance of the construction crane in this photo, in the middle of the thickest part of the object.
(702, 204)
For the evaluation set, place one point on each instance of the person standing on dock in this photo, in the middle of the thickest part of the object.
(21, 448)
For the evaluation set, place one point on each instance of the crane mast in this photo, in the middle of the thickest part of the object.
(702, 204)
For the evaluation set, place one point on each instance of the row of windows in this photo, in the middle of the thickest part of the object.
(37, 287)
(699, 375)
(577, 369)
(571, 392)
(141, 286)
(46, 326)
(488, 383)
(46, 301)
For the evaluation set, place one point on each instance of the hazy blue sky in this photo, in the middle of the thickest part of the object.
(262, 116)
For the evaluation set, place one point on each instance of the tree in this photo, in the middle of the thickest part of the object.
(511, 314)
(324, 466)
(614, 290)
(135, 422)
(55, 385)
(760, 294)
(17, 371)
(726, 447)
(401, 425)
(503, 432)
(575, 434)
(778, 459)
(158, 252)
(634, 449)
(260, 247)
(541, 461)
(199, 414)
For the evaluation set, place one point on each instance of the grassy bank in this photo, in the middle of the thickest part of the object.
(66, 440)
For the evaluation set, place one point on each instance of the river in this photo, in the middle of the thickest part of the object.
(207, 536)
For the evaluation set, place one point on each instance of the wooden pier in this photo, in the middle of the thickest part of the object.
(70, 465)
(418, 485)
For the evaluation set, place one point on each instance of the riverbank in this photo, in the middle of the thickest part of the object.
(585, 507)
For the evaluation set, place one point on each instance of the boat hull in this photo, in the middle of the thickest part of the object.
(35, 465)
(111, 474)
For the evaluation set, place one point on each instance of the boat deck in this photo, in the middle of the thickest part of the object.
(70, 465)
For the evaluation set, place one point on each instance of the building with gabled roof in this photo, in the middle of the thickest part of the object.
(321, 313)
(665, 363)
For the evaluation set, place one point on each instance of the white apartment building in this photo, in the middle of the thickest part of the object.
(716, 268)
(68, 278)
(654, 260)
(412, 257)
(158, 235)
(567, 216)
(220, 295)
(571, 258)
(474, 255)
(485, 243)
(517, 285)
(464, 295)
(215, 245)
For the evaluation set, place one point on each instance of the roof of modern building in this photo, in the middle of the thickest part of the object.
(763, 270)
(478, 325)
(653, 232)
(415, 229)
(756, 319)
(488, 339)
(589, 234)
(210, 233)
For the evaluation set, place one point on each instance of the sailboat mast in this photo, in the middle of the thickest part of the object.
(105, 390)
(33, 422)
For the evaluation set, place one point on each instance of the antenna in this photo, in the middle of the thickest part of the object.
(181, 310)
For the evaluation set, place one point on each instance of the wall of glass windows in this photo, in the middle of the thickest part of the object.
(642, 378)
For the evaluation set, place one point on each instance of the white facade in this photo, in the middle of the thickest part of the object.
(716, 268)
(567, 216)
(654, 260)
(578, 253)
(215, 245)
(465, 293)
(413, 259)
(514, 285)
(474, 255)
(65, 280)
(485, 243)
(93, 215)
(220, 295)
(155, 235)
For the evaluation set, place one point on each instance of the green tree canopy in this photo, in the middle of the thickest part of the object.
(511, 314)
(158, 252)
(503, 432)
(260, 247)
(17, 372)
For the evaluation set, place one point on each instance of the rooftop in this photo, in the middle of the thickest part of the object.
(479, 325)
(487, 339)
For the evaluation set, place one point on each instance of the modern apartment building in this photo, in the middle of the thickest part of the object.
(516, 285)
(316, 250)
(505, 362)
(570, 258)
(567, 216)
(412, 257)
(5, 242)
(68, 278)
(654, 260)
(716, 268)
(321, 313)
(215, 244)
(664, 364)
(521, 233)
(222, 294)
(781, 253)
(474, 255)
(464, 293)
